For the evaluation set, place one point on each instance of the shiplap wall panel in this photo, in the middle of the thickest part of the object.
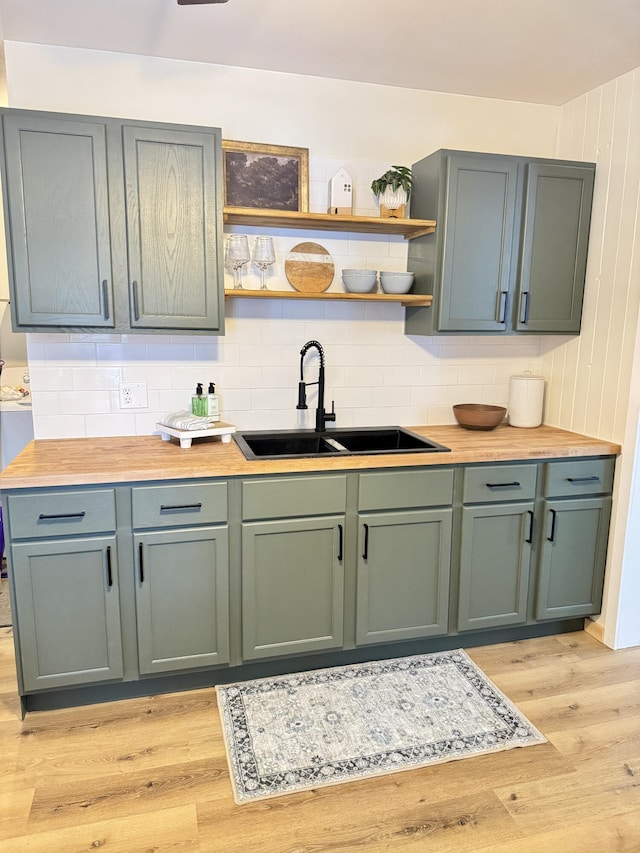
(593, 379)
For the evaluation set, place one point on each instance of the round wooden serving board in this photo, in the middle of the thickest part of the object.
(309, 268)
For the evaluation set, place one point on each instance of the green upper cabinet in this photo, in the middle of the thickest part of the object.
(510, 247)
(171, 228)
(57, 222)
(553, 247)
(112, 225)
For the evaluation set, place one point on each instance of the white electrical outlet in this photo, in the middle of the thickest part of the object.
(133, 395)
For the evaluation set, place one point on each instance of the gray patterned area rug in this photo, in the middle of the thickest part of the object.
(308, 729)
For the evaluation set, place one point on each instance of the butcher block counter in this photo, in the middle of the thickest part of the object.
(85, 461)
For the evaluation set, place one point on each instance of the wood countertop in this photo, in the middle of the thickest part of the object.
(87, 461)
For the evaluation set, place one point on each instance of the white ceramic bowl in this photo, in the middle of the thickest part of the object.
(396, 282)
(359, 281)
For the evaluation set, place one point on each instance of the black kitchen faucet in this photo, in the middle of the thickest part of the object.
(321, 416)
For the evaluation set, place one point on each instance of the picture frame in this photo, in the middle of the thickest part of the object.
(265, 177)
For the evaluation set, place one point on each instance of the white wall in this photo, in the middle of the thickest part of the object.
(375, 373)
(594, 380)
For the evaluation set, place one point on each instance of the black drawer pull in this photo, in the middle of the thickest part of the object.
(105, 300)
(501, 307)
(365, 550)
(579, 480)
(172, 507)
(501, 485)
(136, 313)
(552, 535)
(109, 574)
(44, 517)
(529, 538)
(340, 542)
(140, 563)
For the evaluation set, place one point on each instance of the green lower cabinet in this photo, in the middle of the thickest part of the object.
(68, 611)
(495, 558)
(292, 586)
(403, 575)
(182, 599)
(573, 556)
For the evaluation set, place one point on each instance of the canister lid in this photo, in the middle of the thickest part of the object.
(527, 374)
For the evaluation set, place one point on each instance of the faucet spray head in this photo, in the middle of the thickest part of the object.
(302, 396)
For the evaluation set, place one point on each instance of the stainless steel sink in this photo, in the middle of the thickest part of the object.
(298, 444)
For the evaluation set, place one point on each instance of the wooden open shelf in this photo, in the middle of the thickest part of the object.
(403, 298)
(407, 228)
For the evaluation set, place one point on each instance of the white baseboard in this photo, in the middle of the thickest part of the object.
(596, 629)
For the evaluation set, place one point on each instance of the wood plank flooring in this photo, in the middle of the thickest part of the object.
(151, 774)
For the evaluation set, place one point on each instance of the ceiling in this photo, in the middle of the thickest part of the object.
(545, 52)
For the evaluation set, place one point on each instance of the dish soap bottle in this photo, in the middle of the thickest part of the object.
(213, 404)
(199, 402)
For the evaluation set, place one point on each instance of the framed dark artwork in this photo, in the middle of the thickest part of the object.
(265, 177)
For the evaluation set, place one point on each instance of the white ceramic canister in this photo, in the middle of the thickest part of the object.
(526, 397)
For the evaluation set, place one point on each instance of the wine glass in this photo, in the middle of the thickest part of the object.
(236, 255)
(263, 256)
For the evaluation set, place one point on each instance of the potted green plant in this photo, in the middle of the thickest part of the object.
(393, 190)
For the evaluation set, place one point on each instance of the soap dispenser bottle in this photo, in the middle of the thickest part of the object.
(213, 403)
(199, 402)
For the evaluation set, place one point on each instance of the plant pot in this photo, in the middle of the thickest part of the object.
(393, 203)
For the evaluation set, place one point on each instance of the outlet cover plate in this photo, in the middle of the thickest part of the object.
(133, 395)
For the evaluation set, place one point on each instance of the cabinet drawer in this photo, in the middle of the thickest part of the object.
(496, 483)
(405, 489)
(177, 505)
(62, 513)
(294, 496)
(579, 477)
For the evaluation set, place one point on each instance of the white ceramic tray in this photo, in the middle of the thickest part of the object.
(187, 435)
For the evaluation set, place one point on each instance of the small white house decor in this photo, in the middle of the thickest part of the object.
(341, 194)
(393, 190)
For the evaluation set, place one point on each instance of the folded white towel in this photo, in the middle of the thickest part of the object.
(185, 420)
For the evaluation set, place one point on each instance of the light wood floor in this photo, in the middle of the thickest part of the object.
(151, 774)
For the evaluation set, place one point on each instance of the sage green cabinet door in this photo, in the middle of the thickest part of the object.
(292, 586)
(553, 253)
(495, 558)
(476, 248)
(68, 611)
(403, 575)
(59, 265)
(573, 556)
(182, 598)
(173, 227)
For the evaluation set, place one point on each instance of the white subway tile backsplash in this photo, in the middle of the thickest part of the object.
(62, 426)
(123, 353)
(99, 425)
(98, 378)
(273, 398)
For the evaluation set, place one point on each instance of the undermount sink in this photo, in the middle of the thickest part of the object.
(296, 444)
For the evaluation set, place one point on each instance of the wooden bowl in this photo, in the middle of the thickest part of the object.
(479, 415)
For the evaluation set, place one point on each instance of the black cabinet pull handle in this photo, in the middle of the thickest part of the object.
(501, 307)
(501, 485)
(524, 307)
(578, 480)
(529, 538)
(44, 517)
(365, 550)
(171, 507)
(340, 542)
(141, 564)
(105, 300)
(552, 535)
(134, 286)
(109, 573)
